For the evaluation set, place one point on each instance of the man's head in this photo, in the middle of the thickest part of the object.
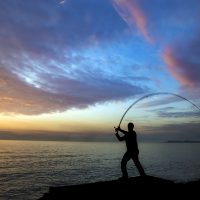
(130, 126)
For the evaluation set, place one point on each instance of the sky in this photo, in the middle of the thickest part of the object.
(71, 68)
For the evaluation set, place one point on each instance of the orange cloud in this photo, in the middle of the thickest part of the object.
(177, 68)
(133, 16)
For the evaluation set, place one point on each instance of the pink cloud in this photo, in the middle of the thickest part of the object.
(175, 67)
(182, 65)
(133, 16)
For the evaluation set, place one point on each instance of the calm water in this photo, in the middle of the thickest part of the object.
(28, 168)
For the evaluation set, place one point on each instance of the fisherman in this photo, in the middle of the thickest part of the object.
(132, 152)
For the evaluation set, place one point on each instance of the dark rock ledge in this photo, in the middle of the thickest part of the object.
(148, 186)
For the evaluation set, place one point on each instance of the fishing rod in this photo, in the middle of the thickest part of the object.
(155, 94)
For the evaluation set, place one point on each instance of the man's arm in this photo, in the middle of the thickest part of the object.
(121, 130)
(120, 138)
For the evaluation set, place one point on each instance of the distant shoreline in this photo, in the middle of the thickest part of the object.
(94, 140)
(183, 141)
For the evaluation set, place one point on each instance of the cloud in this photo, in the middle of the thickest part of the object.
(133, 15)
(168, 23)
(55, 136)
(58, 93)
(177, 67)
(170, 131)
(183, 63)
(37, 27)
(188, 114)
(42, 64)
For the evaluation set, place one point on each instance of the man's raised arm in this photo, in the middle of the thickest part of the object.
(121, 130)
(120, 138)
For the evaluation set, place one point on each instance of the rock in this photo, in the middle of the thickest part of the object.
(147, 186)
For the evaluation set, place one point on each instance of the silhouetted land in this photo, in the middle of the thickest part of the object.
(150, 187)
(183, 141)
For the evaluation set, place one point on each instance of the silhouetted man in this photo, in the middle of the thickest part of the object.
(132, 150)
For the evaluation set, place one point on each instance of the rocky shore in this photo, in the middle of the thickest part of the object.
(148, 187)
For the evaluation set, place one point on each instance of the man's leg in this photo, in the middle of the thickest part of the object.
(124, 161)
(138, 165)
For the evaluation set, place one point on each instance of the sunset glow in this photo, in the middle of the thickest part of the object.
(74, 67)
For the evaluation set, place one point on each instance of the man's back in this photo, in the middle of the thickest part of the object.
(131, 142)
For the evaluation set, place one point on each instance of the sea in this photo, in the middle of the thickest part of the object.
(29, 168)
